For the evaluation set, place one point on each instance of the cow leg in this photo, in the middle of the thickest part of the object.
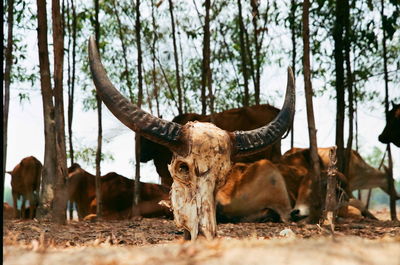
(71, 210)
(23, 215)
(15, 203)
(32, 204)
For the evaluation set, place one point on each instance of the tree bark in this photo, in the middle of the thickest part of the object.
(243, 55)
(99, 200)
(340, 104)
(60, 194)
(139, 103)
(390, 179)
(153, 59)
(49, 165)
(206, 80)
(349, 82)
(292, 21)
(126, 73)
(312, 132)
(7, 80)
(257, 46)
(177, 75)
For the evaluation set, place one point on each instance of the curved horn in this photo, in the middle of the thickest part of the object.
(158, 130)
(250, 142)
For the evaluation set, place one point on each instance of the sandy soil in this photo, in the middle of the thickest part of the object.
(158, 241)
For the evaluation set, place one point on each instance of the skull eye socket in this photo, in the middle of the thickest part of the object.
(182, 168)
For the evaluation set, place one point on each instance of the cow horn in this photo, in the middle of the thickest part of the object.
(254, 141)
(155, 129)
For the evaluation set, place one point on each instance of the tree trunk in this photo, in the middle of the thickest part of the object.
(60, 194)
(309, 96)
(243, 56)
(126, 72)
(349, 79)
(153, 59)
(292, 21)
(99, 200)
(49, 165)
(257, 46)
(139, 103)
(206, 81)
(177, 75)
(340, 104)
(71, 85)
(7, 81)
(390, 179)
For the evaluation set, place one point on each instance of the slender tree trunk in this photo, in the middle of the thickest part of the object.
(349, 79)
(139, 103)
(340, 104)
(60, 195)
(257, 45)
(126, 73)
(312, 131)
(7, 80)
(99, 200)
(49, 166)
(390, 179)
(153, 59)
(67, 32)
(206, 81)
(292, 20)
(243, 54)
(177, 75)
(71, 92)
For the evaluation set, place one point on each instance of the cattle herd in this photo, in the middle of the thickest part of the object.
(232, 171)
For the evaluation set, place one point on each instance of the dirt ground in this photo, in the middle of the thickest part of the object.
(158, 241)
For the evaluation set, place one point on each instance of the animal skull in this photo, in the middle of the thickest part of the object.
(202, 152)
(197, 175)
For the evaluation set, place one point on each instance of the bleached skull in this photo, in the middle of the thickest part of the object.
(202, 152)
(197, 175)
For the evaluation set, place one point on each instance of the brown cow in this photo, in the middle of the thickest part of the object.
(250, 193)
(391, 132)
(25, 183)
(246, 118)
(81, 189)
(360, 176)
(202, 152)
(117, 195)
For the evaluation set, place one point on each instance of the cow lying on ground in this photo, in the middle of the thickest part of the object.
(391, 132)
(25, 183)
(245, 118)
(250, 193)
(360, 176)
(81, 189)
(117, 196)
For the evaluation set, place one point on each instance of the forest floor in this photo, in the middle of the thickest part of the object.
(158, 241)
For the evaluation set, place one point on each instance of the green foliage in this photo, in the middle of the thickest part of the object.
(380, 198)
(87, 155)
(375, 157)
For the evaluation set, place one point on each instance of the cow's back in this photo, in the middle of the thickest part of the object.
(25, 177)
